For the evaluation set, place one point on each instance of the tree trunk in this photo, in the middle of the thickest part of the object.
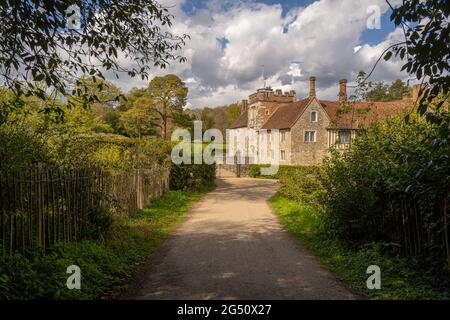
(164, 124)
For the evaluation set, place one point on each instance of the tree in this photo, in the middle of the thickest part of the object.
(81, 120)
(131, 97)
(396, 90)
(138, 120)
(168, 94)
(378, 92)
(383, 92)
(207, 118)
(233, 111)
(426, 48)
(40, 44)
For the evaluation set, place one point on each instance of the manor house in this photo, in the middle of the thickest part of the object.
(275, 125)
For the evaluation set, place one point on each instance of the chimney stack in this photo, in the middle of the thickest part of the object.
(343, 90)
(244, 105)
(312, 87)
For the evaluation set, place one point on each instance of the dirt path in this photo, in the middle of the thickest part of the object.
(231, 246)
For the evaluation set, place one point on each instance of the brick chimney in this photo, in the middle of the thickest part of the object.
(312, 87)
(244, 105)
(343, 90)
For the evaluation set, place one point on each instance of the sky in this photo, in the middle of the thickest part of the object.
(232, 43)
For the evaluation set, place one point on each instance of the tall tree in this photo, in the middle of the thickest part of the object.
(55, 41)
(168, 94)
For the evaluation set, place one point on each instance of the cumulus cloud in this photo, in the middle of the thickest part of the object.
(231, 42)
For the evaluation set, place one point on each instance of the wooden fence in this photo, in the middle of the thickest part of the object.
(43, 206)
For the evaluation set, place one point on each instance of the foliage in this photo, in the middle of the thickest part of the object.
(168, 94)
(233, 111)
(426, 47)
(81, 120)
(20, 148)
(298, 183)
(219, 118)
(103, 264)
(114, 153)
(401, 278)
(192, 176)
(381, 91)
(392, 187)
(41, 53)
(138, 120)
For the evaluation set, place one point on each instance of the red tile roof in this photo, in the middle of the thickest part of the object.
(241, 121)
(286, 115)
(360, 114)
(356, 115)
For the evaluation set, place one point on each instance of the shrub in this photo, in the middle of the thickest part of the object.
(110, 152)
(299, 183)
(392, 187)
(192, 176)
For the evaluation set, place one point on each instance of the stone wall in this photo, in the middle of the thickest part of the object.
(310, 153)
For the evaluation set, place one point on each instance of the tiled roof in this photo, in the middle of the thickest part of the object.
(241, 121)
(358, 115)
(361, 114)
(286, 115)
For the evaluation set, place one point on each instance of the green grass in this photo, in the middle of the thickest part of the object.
(104, 264)
(400, 279)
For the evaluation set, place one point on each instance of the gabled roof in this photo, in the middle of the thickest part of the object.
(241, 121)
(286, 115)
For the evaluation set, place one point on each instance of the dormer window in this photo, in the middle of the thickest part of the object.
(313, 116)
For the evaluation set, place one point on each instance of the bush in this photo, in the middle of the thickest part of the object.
(299, 183)
(110, 152)
(401, 278)
(392, 187)
(104, 264)
(198, 177)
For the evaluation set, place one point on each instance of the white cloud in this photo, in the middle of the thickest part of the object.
(322, 35)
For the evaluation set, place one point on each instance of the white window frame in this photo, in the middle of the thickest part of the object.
(314, 135)
(283, 155)
(316, 115)
(282, 135)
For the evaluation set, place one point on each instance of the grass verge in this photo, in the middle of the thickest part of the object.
(400, 279)
(103, 264)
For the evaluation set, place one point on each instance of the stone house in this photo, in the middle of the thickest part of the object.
(275, 126)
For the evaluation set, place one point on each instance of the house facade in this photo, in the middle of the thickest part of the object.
(275, 127)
